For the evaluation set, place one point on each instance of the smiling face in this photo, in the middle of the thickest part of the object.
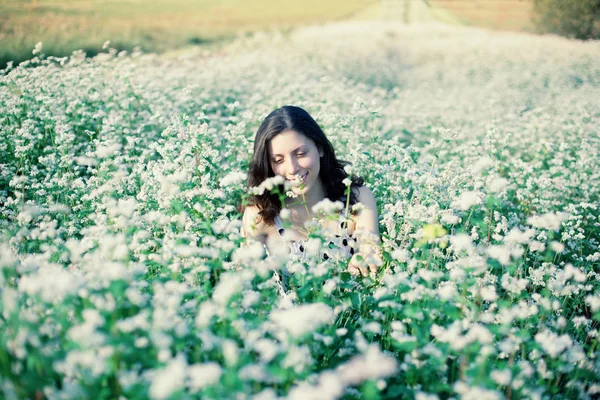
(291, 154)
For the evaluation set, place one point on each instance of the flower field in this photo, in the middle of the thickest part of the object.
(122, 273)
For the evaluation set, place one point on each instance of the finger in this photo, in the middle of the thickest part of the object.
(373, 268)
(353, 270)
(364, 271)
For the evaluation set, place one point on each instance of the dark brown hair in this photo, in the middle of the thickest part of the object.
(291, 118)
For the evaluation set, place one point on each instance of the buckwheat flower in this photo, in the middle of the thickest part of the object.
(497, 185)
(253, 251)
(327, 206)
(502, 377)
(250, 298)
(358, 207)
(230, 283)
(302, 319)
(593, 301)
(233, 178)
(553, 344)
(551, 221)
(106, 150)
(86, 161)
(401, 255)
(169, 379)
(371, 365)
(488, 293)
(207, 310)
(483, 164)
(449, 219)
(447, 290)
(7, 257)
(460, 242)
(469, 392)
(202, 375)
(231, 352)
(298, 358)
(467, 200)
(285, 213)
(86, 333)
(372, 327)
(514, 285)
(500, 253)
(516, 236)
(329, 286)
(557, 247)
(52, 283)
(37, 49)
(266, 394)
(425, 396)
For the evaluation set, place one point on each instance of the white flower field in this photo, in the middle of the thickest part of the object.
(122, 177)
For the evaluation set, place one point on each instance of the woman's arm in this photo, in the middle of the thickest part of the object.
(367, 235)
(253, 229)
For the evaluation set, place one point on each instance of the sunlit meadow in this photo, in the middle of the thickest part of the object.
(121, 181)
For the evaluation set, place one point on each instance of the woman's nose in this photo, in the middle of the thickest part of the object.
(292, 166)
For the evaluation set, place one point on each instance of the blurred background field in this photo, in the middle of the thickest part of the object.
(155, 25)
(159, 25)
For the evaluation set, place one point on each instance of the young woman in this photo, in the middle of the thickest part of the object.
(291, 144)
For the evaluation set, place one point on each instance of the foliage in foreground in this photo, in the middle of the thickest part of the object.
(122, 176)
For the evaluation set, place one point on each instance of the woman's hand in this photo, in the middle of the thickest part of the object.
(364, 264)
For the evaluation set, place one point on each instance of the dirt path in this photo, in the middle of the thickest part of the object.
(407, 11)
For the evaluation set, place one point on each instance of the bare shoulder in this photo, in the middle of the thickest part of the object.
(366, 197)
(252, 224)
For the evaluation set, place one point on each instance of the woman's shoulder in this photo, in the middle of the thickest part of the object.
(253, 224)
(366, 197)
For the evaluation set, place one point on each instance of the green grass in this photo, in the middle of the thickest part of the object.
(155, 25)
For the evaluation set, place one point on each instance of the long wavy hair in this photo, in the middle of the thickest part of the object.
(332, 173)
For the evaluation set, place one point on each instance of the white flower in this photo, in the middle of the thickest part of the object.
(371, 365)
(348, 169)
(467, 200)
(52, 283)
(347, 182)
(169, 379)
(285, 213)
(557, 247)
(593, 302)
(460, 242)
(401, 255)
(327, 206)
(502, 378)
(550, 221)
(497, 185)
(553, 344)
(302, 319)
(229, 284)
(449, 219)
(231, 352)
(37, 49)
(233, 178)
(500, 253)
(203, 375)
